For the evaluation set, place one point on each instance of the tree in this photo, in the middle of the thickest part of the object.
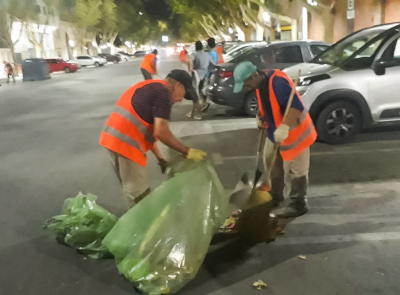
(14, 13)
(326, 9)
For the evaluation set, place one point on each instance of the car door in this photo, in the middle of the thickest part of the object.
(59, 65)
(384, 87)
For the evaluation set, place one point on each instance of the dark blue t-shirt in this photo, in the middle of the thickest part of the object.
(282, 91)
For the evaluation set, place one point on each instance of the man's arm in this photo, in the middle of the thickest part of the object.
(164, 134)
(154, 65)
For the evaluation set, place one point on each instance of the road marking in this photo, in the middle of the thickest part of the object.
(362, 237)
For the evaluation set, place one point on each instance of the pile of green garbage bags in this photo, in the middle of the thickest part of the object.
(161, 243)
(83, 225)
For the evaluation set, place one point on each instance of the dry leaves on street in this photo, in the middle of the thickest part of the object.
(304, 257)
(259, 284)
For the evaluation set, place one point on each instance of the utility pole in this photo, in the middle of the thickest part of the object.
(350, 16)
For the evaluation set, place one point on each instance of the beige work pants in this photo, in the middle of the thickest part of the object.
(295, 172)
(133, 178)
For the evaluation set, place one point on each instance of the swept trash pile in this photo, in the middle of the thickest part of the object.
(160, 243)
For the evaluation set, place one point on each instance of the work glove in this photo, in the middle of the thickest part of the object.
(281, 133)
(196, 155)
(163, 165)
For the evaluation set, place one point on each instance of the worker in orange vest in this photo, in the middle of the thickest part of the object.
(141, 117)
(294, 135)
(149, 65)
(183, 56)
(220, 52)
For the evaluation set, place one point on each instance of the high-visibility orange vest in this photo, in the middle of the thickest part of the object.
(220, 53)
(301, 136)
(147, 63)
(125, 132)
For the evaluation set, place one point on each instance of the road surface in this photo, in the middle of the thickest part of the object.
(49, 152)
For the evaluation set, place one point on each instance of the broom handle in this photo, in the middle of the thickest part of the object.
(288, 107)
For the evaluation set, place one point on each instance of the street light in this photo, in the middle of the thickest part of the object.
(141, 13)
(312, 2)
(266, 17)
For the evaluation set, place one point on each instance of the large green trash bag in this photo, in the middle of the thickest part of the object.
(83, 225)
(161, 243)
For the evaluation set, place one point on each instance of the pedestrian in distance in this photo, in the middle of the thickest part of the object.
(149, 65)
(9, 71)
(199, 64)
(293, 134)
(183, 57)
(141, 117)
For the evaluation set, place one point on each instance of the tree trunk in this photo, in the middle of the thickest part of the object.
(247, 33)
(329, 27)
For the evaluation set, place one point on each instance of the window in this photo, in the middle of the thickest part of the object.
(392, 53)
(289, 54)
(318, 49)
(267, 56)
(54, 61)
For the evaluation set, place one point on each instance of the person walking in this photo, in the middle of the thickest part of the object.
(294, 135)
(141, 117)
(183, 57)
(149, 65)
(9, 71)
(199, 65)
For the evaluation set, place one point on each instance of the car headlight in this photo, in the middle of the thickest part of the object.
(310, 80)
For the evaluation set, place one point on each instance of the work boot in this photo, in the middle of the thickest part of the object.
(276, 201)
(295, 209)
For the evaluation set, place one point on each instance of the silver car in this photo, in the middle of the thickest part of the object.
(354, 84)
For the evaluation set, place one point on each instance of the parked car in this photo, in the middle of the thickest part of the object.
(86, 60)
(139, 53)
(110, 57)
(124, 56)
(278, 55)
(238, 49)
(354, 84)
(60, 65)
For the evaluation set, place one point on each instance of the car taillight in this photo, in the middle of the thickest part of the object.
(225, 75)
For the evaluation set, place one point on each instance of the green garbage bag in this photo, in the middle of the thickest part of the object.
(82, 225)
(161, 243)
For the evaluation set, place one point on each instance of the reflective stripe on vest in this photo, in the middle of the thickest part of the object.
(147, 63)
(300, 136)
(125, 132)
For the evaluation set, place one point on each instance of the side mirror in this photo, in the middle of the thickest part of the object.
(380, 68)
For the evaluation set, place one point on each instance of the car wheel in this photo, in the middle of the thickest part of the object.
(115, 61)
(96, 64)
(251, 105)
(338, 123)
(67, 70)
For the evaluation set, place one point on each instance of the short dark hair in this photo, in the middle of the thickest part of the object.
(199, 46)
(211, 42)
(155, 51)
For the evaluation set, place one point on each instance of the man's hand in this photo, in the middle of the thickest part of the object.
(196, 155)
(163, 165)
(281, 133)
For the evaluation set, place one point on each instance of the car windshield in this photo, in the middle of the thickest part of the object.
(367, 40)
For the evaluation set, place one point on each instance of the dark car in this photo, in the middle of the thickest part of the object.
(276, 55)
(139, 53)
(110, 57)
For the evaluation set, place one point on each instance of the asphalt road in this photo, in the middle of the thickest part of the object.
(49, 152)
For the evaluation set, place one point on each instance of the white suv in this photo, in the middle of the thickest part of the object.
(86, 60)
(354, 84)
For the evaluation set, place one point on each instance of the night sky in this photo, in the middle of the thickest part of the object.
(160, 10)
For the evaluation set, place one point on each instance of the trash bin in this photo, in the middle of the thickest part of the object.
(35, 69)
